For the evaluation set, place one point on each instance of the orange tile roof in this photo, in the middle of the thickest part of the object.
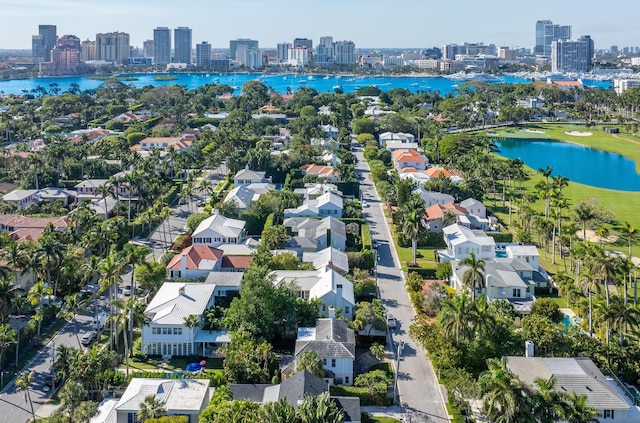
(409, 170)
(435, 172)
(236, 262)
(407, 156)
(567, 83)
(320, 170)
(437, 211)
(195, 254)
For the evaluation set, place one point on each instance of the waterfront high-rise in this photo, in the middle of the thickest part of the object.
(324, 51)
(65, 57)
(88, 50)
(113, 47)
(161, 45)
(233, 46)
(182, 44)
(572, 56)
(147, 48)
(283, 52)
(43, 43)
(345, 53)
(539, 46)
(203, 54)
(548, 32)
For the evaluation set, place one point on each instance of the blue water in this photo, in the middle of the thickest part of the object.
(278, 83)
(501, 254)
(583, 165)
(567, 322)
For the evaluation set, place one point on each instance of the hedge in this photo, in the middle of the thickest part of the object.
(359, 221)
(365, 234)
(349, 188)
(425, 273)
(501, 236)
(362, 393)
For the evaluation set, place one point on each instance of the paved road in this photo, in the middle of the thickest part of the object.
(418, 386)
(13, 405)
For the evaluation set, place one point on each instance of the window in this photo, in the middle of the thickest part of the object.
(346, 310)
(517, 293)
(132, 418)
(324, 361)
(166, 331)
(333, 362)
(346, 380)
(155, 331)
(609, 414)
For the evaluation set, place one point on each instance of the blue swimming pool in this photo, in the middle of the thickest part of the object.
(567, 321)
(501, 254)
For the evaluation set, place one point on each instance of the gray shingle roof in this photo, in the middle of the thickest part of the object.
(300, 385)
(331, 338)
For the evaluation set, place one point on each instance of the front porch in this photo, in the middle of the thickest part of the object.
(207, 342)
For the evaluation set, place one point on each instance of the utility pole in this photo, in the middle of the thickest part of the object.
(395, 379)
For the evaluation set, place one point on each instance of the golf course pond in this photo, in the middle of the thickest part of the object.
(583, 165)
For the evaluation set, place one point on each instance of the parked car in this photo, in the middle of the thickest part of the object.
(364, 203)
(99, 321)
(127, 290)
(89, 338)
(391, 321)
(374, 244)
(200, 203)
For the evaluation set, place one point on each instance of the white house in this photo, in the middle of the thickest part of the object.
(409, 160)
(181, 397)
(402, 137)
(581, 376)
(327, 232)
(216, 230)
(433, 197)
(334, 290)
(328, 204)
(247, 176)
(335, 344)
(91, 188)
(22, 197)
(474, 207)
(528, 253)
(313, 190)
(242, 196)
(166, 333)
(329, 257)
(462, 241)
(195, 261)
(52, 195)
(329, 131)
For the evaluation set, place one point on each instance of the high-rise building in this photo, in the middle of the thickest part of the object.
(303, 42)
(161, 45)
(298, 56)
(539, 46)
(572, 56)
(233, 46)
(182, 44)
(548, 32)
(283, 52)
(248, 57)
(88, 50)
(324, 51)
(345, 53)
(65, 57)
(147, 48)
(43, 43)
(203, 54)
(113, 47)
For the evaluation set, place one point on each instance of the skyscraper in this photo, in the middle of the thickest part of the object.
(283, 52)
(548, 32)
(88, 50)
(539, 46)
(203, 54)
(572, 56)
(182, 48)
(161, 45)
(345, 52)
(147, 48)
(233, 46)
(113, 47)
(43, 43)
(65, 57)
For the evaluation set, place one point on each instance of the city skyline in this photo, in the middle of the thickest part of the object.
(277, 21)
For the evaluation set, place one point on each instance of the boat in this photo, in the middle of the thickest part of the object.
(337, 87)
(415, 84)
(310, 78)
(326, 77)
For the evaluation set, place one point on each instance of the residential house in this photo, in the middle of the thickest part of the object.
(581, 376)
(329, 286)
(433, 197)
(244, 195)
(406, 160)
(181, 397)
(335, 344)
(22, 197)
(30, 229)
(328, 204)
(217, 230)
(23, 279)
(247, 176)
(293, 390)
(326, 172)
(226, 283)
(400, 145)
(166, 333)
(434, 172)
(90, 135)
(530, 255)
(395, 136)
(327, 232)
(474, 207)
(92, 188)
(436, 215)
(51, 195)
(103, 207)
(329, 257)
(462, 241)
(179, 144)
(195, 261)
(313, 190)
(329, 131)
(238, 263)
(326, 144)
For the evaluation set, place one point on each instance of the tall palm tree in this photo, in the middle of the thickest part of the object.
(35, 296)
(503, 396)
(73, 305)
(50, 250)
(473, 277)
(584, 214)
(7, 336)
(16, 258)
(319, 409)
(151, 408)
(23, 382)
(110, 269)
(311, 362)
(413, 221)
(588, 282)
(191, 322)
(578, 411)
(124, 311)
(623, 317)
(7, 293)
(134, 255)
(454, 316)
(546, 402)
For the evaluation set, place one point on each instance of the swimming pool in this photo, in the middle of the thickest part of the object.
(501, 254)
(567, 321)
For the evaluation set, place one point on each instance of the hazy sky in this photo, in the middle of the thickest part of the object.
(370, 23)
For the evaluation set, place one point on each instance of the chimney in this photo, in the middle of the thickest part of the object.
(330, 265)
(488, 283)
(183, 262)
(332, 313)
(528, 349)
(181, 290)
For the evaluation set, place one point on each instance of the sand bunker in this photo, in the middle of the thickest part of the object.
(578, 133)
(593, 237)
(533, 131)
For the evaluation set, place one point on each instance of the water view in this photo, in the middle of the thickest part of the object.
(280, 83)
(583, 165)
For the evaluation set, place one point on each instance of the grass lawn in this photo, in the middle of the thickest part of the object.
(378, 419)
(424, 257)
(175, 364)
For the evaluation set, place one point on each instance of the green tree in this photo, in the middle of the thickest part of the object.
(151, 408)
(376, 382)
(274, 237)
(377, 350)
(311, 362)
(413, 222)
(73, 305)
(319, 409)
(455, 315)
(247, 360)
(473, 277)
(23, 382)
(190, 322)
(503, 395)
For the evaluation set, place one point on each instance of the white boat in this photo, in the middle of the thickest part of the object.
(415, 84)
(326, 77)
(310, 78)
(337, 87)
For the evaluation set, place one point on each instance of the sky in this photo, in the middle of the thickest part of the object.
(368, 23)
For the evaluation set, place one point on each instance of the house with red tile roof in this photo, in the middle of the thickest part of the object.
(195, 262)
(179, 144)
(409, 159)
(435, 172)
(437, 214)
(29, 229)
(327, 172)
(235, 263)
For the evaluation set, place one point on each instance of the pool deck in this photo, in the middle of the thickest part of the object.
(568, 312)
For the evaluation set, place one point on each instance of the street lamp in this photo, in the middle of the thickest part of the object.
(395, 379)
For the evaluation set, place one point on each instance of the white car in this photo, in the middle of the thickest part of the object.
(127, 290)
(391, 321)
(364, 203)
(89, 337)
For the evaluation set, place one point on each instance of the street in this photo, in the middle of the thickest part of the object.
(418, 388)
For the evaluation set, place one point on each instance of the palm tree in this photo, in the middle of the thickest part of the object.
(413, 222)
(454, 316)
(502, 393)
(377, 351)
(7, 293)
(110, 268)
(76, 409)
(578, 411)
(151, 408)
(50, 249)
(73, 305)
(35, 296)
(319, 409)
(473, 277)
(134, 255)
(584, 213)
(16, 258)
(121, 318)
(23, 382)
(191, 322)
(311, 362)
(588, 282)
(7, 336)
(277, 412)
(623, 317)
(546, 402)
(482, 318)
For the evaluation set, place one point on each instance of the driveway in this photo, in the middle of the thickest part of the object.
(418, 388)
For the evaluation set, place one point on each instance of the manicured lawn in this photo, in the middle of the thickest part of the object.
(424, 257)
(378, 419)
(175, 364)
